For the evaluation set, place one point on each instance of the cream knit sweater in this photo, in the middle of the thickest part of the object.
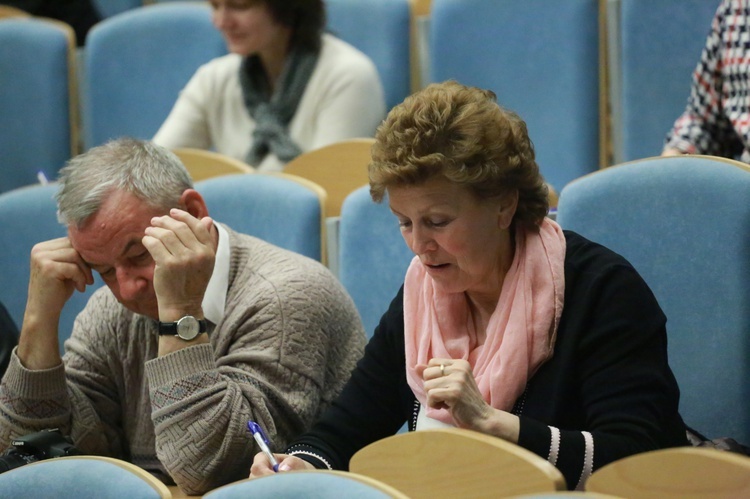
(343, 99)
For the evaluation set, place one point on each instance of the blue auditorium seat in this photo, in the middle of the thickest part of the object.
(655, 46)
(541, 59)
(282, 209)
(109, 8)
(78, 477)
(380, 29)
(137, 62)
(36, 79)
(684, 224)
(373, 256)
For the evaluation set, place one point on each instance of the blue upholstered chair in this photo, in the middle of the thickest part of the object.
(319, 484)
(650, 87)
(380, 29)
(37, 68)
(541, 59)
(79, 477)
(684, 223)
(373, 256)
(29, 216)
(109, 8)
(283, 209)
(137, 62)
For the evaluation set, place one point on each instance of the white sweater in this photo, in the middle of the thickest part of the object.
(343, 99)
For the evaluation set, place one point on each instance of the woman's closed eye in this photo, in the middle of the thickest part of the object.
(437, 223)
(430, 223)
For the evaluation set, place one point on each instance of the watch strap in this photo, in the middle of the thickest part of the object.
(170, 328)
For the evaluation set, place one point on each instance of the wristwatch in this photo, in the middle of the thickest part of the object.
(187, 328)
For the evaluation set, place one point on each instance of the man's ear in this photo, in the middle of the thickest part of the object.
(507, 210)
(192, 202)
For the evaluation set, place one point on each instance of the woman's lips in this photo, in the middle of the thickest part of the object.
(436, 266)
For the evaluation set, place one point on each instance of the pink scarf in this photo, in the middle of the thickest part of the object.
(520, 334)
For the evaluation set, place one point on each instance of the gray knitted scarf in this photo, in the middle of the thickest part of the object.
(273, 112)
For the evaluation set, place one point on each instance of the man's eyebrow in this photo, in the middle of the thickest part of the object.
(128, 246)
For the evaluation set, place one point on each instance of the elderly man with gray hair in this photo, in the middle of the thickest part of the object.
(198, 330)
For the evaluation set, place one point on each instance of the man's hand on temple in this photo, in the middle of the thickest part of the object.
(183, 249)
(57, 270)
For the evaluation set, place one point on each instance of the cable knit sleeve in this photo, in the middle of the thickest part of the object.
(78, 397)
(287, 343)
(374, 404)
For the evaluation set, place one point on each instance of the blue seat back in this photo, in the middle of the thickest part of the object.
(684, 223)
(655, 83)
(80, 477)
(307, 484)
(541, 59)
(373, 256)
(109, 8)
(35, 79)
(29, 216)
(270, 207)
(380, 29)
(137, 62)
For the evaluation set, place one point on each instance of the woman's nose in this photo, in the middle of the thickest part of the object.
(421, 241)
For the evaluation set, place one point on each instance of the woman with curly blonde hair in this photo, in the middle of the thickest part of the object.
(505, 324)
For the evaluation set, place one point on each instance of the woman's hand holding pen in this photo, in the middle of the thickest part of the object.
(449, 384)
(268, 463)
(262, 465)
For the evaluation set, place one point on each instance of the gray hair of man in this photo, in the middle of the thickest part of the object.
(150, 172)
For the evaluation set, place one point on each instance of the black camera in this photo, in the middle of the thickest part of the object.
(37, 446)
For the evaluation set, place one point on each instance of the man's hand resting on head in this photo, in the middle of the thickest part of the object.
(57, 270)
(183, 249)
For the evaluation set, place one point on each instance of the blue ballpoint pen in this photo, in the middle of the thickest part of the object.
(260, 437)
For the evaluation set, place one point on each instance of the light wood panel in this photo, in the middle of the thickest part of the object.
(203, 164)
(339, 168)
(683, 472)
(455, 463)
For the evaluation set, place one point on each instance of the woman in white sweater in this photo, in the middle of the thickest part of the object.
(285, 88)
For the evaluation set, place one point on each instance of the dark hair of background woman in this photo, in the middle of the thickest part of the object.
(307, 18)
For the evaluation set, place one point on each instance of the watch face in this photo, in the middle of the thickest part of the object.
(188, 328)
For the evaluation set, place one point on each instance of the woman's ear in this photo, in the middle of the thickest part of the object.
(192, 202)
(507, 209)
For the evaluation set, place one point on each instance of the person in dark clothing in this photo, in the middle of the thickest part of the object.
(81, 15)
(505, 324)
(8, 338)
